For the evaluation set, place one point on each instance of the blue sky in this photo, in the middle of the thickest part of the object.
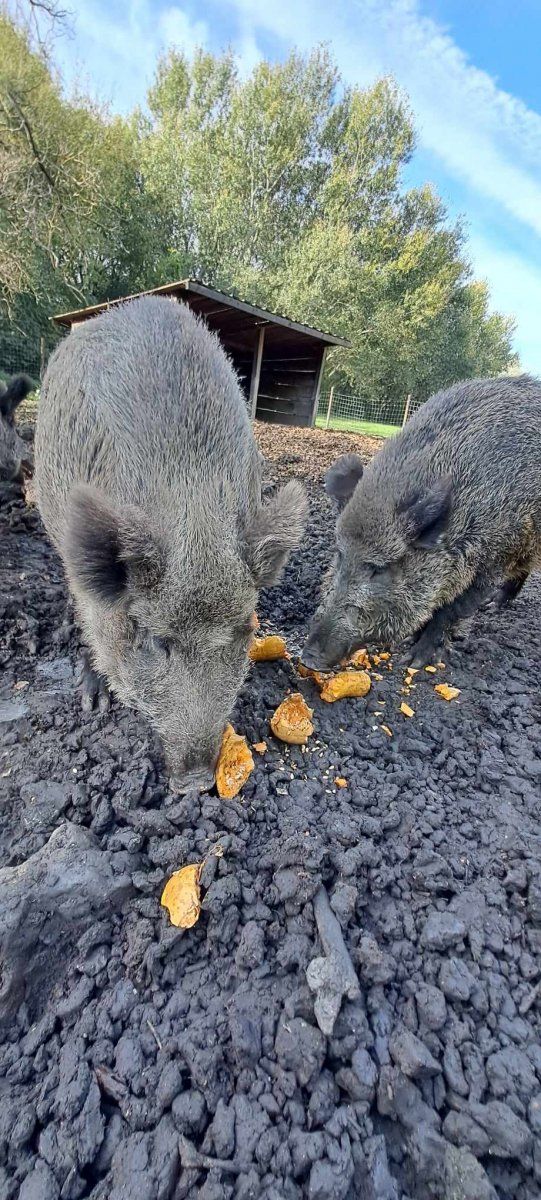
(470, 67)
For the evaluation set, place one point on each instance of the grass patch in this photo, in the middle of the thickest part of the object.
(350, 425)
(27, 411)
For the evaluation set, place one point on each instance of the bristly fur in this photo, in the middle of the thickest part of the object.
(276, 531)
(342, 478)
(149, 483)
(446, 506)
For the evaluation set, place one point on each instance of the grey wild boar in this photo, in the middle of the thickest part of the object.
(446, 516)
(13, 450)
(149, 483)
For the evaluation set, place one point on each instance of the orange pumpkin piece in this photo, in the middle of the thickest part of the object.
(235, 764)
(181, 896)
(267, 649)
(406, 710)
(340, 782)
(318, 677)
(361, 658)
(346, 684)
(386, 730)
(292, 721)
(261, 747)
(446, 691)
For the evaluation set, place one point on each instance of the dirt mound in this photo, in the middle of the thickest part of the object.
(357, 1011)
(308, 453)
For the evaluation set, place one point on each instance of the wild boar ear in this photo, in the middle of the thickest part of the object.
(276, 531)
(93, 549)
(12, 395)
(108, 551)
(426, 514)
(342, 478)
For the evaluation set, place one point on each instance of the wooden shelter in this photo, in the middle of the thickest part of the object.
(279, 362)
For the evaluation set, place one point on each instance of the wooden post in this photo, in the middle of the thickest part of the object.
(329, 407)
(407, 409)
(256, 372)
(318, 388)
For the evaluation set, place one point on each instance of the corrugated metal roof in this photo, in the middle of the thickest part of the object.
(197, 287)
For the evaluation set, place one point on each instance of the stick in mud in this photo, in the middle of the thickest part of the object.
(192, 1160)
(333, 942)
(333, 976)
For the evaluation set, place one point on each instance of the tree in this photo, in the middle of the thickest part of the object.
(284, 187)
(73, 220)
(287, 189)
(236, 168)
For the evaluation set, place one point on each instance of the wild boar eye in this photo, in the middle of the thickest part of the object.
(152, 645)
(162, 645)
(376, 570)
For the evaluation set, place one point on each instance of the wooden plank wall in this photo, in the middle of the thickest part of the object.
(242, 361)
(289, 375)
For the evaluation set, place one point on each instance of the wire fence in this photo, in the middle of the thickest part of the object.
(360, 414)
(337, 410)
(28, 354)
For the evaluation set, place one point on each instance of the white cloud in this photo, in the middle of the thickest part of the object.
(117, 48)
(516, 288)
(484, 136)
(114, 48)
(247, 51)
(175, 28)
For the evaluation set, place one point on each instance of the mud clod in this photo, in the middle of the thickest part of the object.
(47, 899)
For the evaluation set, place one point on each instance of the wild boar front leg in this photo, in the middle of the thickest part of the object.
(429, 644)
(508, 591)
(94, 690)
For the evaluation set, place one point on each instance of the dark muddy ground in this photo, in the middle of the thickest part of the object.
(357, 1012)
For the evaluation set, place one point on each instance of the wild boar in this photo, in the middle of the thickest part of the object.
(13, 450)
(446, 516)
(149, 483)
